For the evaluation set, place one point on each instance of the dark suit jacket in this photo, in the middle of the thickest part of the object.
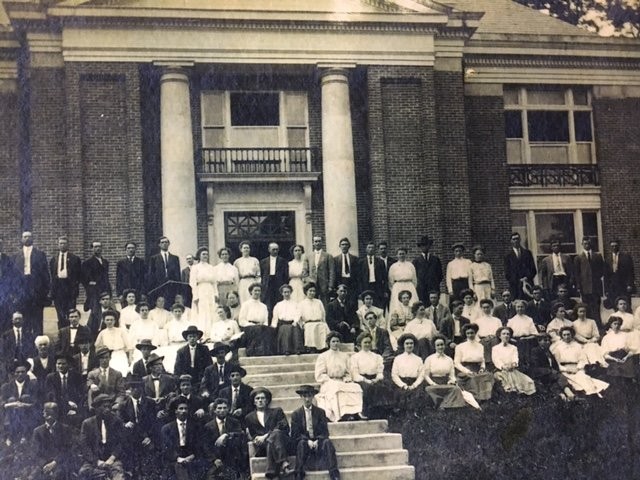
(588, 274)
(114, 384)
(76, 390)
(618, 282)
(383, 343)
(9, 348)
(66, 286)
(201, 362)
(185, 274)
(447, 328)
(429, 273)
(541, 314)
(337, 313)
(156, 275)
(130, 275)
(91, 435)
(64, 339)
(171, 440)
(271, 284)
(139, 368)
(8, 290)
(93, 361)
(541, 363)
(442, 315)
(516, 268)
(167, 385)
(36, 289)
(390, 261)
(546, 270)
(211, 379)
(94, 271)
(352, 281)
(322, 274)
(382, 277)
(146, 424)
(243, 401)
(231, 425)
(503, 313)
(53, 446)
(40, 371)
(274, 419)
(299, 429)
(9, 390)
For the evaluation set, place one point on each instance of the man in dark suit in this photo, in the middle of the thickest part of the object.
(238, 394)
(274, 271)
(519, 267)
(104, 379)
(383, 255)
(158, 385)
(95, 278)
(52, 443)
(163, 267)
(194, 357)
(268, 429)
(85, 360)
(102, 440)
(217, 375)
(68, 336)
(555, 269)
(436, 312)
(428, 270)
(341, 315)
(319, 264)
(589, 270)
(345, 268)
(95, 323)
(373, 276)
(66, 273)
(130, 271)
(505, 310)
(182, 443)
(310, 435)
(539, 309)
(17, 342)
(33, 283)
(225, 446)
(18, 399)
(619, 277)
(8, 276)
(380, 342)
(67, 389)
(456, 321)
(187, 388)
(139, 368)
(185, 275)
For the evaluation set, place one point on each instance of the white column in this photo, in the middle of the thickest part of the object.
(338, 168)
(177, 169)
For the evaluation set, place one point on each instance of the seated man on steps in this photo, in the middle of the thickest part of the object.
(310, 434)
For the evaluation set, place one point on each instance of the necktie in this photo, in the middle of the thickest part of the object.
(222, 429)
(131, 259)
(221, 374)
(435, 315)
(518, 253)
(183, 433)
(345, 258)
(103, 432)
(103, 376)
(19, 339)
(234, 398)
(589, 256)
(166, 260)
(64, 384)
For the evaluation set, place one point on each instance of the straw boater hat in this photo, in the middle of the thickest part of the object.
(305, 389)
(264, 390)
(146, 343)
(192, 329)
(219, 346)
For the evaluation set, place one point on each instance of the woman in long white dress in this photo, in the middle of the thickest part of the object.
(312, 319)
(402, 276)
(248, 270)
(203, 289)
(145, 327)
(174, 329)
(128, 314)
(117, 340)
(621, 359)
(339, 396)
(504, 357)
(297, 273)
(588, 335)
(226, 275)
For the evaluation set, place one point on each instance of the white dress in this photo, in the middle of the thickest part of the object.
(402, 276)
(141, 329)
(128, 315)
(203, 289)
(226, 280)
(572, 353)
(116, 339)
(296, 276)
(338, 395)
(313, 322)
(249, 272)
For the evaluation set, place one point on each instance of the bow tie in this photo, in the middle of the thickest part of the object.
(73, 328)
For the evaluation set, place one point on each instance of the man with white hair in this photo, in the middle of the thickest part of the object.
(43, 362)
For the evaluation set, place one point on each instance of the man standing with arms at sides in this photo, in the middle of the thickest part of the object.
(33, 283)
(345, 267)
(555, 270)
(130, 271)
(428, 270)
(320, 268)
(383, 254)
(274, 272)
(163, 266)
(68, 337)
(95, 278)
(8, 275)
(589, 270)
(66, 274)
(186, 271)
(619, 274)
(372, 275)
(519, 267)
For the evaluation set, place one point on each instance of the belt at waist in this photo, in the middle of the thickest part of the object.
(285, 322)
(225, 283)
(248, 276)
(483, 282)
(369, 376)
(409, 380)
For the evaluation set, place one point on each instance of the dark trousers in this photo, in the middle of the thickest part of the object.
(275, 449)
(64, 300)
(592, 300)
(323, 458)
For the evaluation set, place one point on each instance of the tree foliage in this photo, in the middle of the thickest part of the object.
(605, 17)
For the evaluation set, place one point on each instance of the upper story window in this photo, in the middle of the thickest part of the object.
(232, 119)
(548, 125)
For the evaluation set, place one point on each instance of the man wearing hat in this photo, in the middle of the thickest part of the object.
(428, 269)
(139, 368)
(104, 379)
(225, 446)
(238, 394)
(457, 272)
(67, 389)
(85, 360)
(194, 357)
(102, 442)
(310, 435)
(268, 429)
(217, 375)
(158, 385)
(197, 405)
(18, 399)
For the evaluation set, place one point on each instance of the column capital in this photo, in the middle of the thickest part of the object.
(340, 69)
(179, 70)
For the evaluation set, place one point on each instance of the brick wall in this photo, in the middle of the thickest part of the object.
(488, 179)
(617, 129)
(10, 213)
(315, 141)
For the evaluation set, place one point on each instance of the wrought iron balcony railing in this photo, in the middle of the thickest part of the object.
(540, 175)
(259, 160)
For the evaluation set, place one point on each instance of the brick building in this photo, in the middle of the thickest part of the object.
(216, 121)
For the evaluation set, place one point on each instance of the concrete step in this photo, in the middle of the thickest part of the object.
(369, 458)
(275, 359)
(279, 367)
(281, 390)
(393, 472)
(361, 443)
(288, 404)
(281, 378)
(357, 428)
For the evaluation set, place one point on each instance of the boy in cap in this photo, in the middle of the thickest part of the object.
(310, 435)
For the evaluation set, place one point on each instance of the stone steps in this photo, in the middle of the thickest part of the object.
(392, 472)
(279, 368)
(281, 378)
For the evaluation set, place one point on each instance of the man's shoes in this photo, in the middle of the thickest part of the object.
(334, 475)
(287, 470)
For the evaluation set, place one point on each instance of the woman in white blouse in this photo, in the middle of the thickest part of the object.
(621, 359)
(312, 319)
(525, 332)
(226, 276)
(481, 275)
(487, 327)
(470, 364)
(406, 371)
(505, 358)
(146, 327)
(559, 320)
(297, 273)
(439, 374)
(254, 321)
(588, 335)
(402, 276)
(286, 318)
(339, 396)
(367, 369)
(128, 314)
(202, 280)
(248, 271)
(117, 340)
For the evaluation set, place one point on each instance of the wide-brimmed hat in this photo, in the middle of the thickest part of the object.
(102, 351)
(131, 380)
(100, 399)
(264, 390)
(192, 329)
(424, 240)
(307, 389)
(153, 359)
(21, 363)
(219, 346)
(235, 368)
(146, 343)
(65, 355)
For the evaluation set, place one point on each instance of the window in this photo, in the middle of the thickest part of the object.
(539, 228)
(548, 125)
(260, 228)
(255, 109)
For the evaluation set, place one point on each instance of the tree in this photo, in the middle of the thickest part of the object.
(604, 17)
